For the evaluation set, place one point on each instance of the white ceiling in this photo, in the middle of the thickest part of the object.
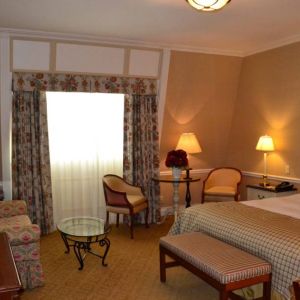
(241, 28)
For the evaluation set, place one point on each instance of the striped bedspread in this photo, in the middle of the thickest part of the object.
(271, 236)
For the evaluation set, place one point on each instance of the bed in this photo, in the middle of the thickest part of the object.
(268, 228)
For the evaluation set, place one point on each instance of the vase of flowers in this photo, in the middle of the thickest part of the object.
(177, 160)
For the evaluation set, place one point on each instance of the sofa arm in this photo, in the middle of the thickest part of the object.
(9, 208)
(20, 235)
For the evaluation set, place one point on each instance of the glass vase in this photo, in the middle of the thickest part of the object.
(176, 172)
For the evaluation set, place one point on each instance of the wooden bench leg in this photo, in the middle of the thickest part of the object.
(223, 295)
(162, 264)
(267, 290)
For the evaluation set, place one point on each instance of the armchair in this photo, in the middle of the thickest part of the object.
(24, 239)
(123, 198)
(222, 182)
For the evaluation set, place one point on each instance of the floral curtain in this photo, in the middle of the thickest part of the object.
(141, 150)
(141, 161)
(83, 83)
(30, 157)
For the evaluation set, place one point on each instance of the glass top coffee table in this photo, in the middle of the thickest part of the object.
(81, 232)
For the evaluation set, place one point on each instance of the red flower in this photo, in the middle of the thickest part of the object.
(176, 158)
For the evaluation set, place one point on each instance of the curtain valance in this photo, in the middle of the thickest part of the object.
(83, 83)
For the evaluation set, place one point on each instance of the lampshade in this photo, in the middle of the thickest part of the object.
(189, 143)
(208, 5)
(265, 143)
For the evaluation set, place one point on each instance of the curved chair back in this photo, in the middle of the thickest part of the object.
(114, 182)
(224, 177)
(114, 190)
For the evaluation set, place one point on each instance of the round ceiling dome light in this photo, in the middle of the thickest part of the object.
(208, 5)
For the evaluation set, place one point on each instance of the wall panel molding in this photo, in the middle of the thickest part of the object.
(75, 57)
(245, 173)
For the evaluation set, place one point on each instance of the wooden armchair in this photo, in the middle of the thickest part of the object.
(222, 182)
(123, 198)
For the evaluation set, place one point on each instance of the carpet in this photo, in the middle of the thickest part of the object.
(132, 272)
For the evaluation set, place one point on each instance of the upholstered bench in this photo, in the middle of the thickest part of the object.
(221, 265)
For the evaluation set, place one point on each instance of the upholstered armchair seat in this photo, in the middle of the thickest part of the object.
(221, 190)
(24, 239)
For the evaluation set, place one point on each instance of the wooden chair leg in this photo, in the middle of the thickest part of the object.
(162, 265)
(146, 217)
(117, 220)
(202, 198)
(107, 217)
(131, 226)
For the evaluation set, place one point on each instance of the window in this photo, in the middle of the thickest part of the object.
(86, 142)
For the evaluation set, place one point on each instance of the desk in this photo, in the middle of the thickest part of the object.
(175, 182)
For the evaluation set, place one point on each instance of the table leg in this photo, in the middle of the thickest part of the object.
(77, 250)
(102, 243)
(175, 198)
(64, 238)
(188, 197)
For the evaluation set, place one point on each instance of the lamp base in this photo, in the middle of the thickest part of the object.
(265, 181)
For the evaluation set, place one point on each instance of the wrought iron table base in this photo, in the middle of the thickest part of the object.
(78, 246)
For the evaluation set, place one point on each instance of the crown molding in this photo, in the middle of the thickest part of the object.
(70, 37)
(25, 33)
(274, 45)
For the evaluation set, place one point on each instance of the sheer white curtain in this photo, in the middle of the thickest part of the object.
(86, 142)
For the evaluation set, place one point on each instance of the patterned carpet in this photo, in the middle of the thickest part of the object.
(132, 272)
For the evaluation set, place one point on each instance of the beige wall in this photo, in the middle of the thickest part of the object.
(268, 101)
(201, 95)
(1, 176)
(229, 103)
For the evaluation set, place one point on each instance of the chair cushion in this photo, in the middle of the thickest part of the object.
(221, 190)
(125, 210)
(136, 200)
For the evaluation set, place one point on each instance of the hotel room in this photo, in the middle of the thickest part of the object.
(229, 76)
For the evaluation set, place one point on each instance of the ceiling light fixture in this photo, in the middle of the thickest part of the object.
(208, 5)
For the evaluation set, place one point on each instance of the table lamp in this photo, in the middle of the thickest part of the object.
(189, 143)
(265, 144)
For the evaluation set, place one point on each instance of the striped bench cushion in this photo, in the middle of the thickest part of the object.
(217, 259)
